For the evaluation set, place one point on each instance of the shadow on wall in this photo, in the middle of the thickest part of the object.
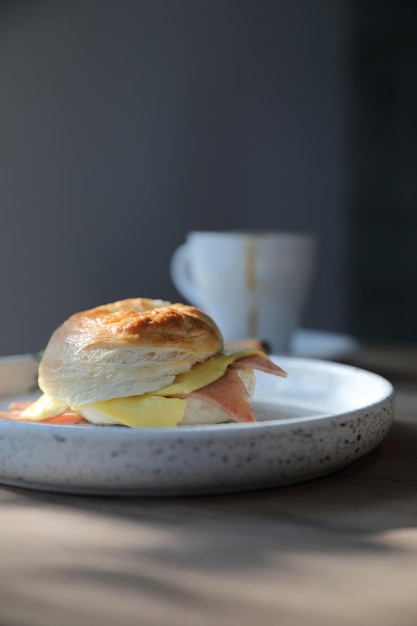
(125, 125)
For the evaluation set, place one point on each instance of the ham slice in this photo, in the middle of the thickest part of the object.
(229, 394)
(261, 363)
(20, 405)
(67, 418)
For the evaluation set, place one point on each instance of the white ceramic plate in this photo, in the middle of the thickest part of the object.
(321, 344)
(321, 418)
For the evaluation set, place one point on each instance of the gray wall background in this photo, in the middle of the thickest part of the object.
(383, 169)
(124, 124)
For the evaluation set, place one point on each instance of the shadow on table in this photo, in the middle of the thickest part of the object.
(343, 511)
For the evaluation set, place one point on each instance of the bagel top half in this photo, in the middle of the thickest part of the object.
(125, 348)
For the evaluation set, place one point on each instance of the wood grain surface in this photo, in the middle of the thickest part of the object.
(336, 551)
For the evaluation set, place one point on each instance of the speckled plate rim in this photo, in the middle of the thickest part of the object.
(319, 434)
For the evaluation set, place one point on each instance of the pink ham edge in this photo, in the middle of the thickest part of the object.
(261, 363)
(229, 394)
(15, 414)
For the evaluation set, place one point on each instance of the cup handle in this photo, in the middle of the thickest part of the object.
(180, 274)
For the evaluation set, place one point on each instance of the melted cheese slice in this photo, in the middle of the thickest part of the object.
(154, 410)
(146, 411)
(44, 407)
(203, 374)
(136, 411)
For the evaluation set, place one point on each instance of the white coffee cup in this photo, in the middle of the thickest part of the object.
(253, 284)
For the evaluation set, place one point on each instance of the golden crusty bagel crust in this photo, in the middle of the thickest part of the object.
(125, 348)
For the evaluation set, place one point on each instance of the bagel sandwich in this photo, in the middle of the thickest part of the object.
(144, 363)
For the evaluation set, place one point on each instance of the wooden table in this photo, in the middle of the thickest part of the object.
(338, 551)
